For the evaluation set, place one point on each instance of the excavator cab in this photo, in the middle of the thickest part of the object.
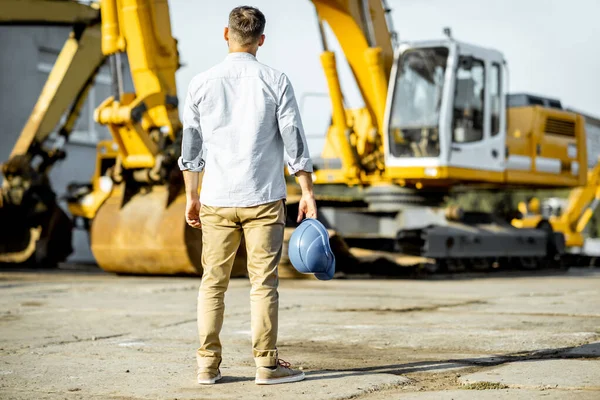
(445, 118)
(449, 120)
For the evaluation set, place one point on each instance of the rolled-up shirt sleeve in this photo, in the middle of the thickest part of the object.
(292, 132)
(191, 158)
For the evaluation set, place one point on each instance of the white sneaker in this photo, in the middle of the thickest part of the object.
(209, 378)
(282, 374)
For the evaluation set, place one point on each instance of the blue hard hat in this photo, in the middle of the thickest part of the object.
(309, 250)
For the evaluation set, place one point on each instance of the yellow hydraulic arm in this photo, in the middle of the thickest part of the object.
(573, 220)
(139, 122)
(361, 29)
(354, 138)
(74, 70)
(582, 203)
(143, 124)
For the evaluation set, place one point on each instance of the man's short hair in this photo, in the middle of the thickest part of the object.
(246, 24)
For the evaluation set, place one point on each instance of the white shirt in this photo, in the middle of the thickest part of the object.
(243, 114)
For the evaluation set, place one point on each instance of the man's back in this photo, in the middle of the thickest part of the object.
(241, 107)
(244, 115)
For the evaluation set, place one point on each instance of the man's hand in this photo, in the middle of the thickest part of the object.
(192, 213)
(192, 205)
(307, 207)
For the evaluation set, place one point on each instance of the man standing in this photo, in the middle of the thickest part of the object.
(246, 118)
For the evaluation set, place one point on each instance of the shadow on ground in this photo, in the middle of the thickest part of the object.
(586, 351)
(375, 270)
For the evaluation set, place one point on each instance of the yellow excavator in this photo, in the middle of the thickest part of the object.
(436, 120)
(133, 205)
(33, 228)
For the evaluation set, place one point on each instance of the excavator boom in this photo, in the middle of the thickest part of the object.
(354, 143)
(47, 12)
(362, 32)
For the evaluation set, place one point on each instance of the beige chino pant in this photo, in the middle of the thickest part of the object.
(222, 229)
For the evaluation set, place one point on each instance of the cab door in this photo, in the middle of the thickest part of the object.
(478, 119)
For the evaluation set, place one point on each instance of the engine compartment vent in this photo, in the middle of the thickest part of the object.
(561, 127)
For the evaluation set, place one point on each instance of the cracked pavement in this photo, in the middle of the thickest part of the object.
(71, 334)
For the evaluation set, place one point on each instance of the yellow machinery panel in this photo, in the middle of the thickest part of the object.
(546, 148)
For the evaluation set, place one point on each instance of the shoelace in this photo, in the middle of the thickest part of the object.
(283, 363)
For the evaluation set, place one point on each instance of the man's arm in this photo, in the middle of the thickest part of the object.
(191, 180)
(296, 147)
(191, 161)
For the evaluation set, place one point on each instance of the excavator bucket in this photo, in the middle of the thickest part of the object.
(41, 240)
(34, 229)
(147, 234)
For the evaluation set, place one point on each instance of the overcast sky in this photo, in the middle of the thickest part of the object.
(552, 46)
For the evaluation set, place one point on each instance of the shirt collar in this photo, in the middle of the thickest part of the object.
(240, 56)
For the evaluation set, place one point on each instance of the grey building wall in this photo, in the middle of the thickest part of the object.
(27, 55)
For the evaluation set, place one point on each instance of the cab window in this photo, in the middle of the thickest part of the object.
(495, 90)
(469, 101)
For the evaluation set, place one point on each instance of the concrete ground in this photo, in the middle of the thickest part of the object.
(90, 335)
